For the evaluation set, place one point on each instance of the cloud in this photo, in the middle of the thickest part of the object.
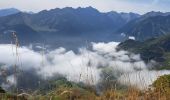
(11, 57)
(85, 66)
(141, 79)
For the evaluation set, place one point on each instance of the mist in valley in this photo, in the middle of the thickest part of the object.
(91, 64)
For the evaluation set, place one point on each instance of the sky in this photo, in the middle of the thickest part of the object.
(138, 6)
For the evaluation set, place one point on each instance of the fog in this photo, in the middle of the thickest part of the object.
(87, 65)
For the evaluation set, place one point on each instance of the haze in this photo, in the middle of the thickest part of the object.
(138, 6)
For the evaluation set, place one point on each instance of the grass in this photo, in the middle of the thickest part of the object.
(160, 90)
(65, 90)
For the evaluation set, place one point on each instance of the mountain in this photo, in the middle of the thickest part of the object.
(153, 14)
(152, 24)
(122, 18)
(76, 20)
(157, 49)
(65, 25)
(72, 20)
(16, 23)
(10, 11)
(129, 16)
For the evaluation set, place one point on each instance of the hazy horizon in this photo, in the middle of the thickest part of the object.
(135, 6)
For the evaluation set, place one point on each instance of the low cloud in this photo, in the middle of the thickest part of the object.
(141, 79)
(85, 66)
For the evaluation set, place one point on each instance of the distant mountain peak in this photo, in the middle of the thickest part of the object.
(68, 21)
(9, 11)
(156, 13)
(151, 24)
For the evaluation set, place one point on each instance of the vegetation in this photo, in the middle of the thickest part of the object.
(157, 49)
(160, 90)
(162, 84)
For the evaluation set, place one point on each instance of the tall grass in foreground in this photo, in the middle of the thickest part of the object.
(160, 90)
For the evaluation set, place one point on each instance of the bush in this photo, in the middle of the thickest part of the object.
(162, 85)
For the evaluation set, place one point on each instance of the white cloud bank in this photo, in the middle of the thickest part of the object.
(85, 66)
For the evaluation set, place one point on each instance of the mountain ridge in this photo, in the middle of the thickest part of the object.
(154, 49)
(69, 22)
(9, 11)
(151, 24)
